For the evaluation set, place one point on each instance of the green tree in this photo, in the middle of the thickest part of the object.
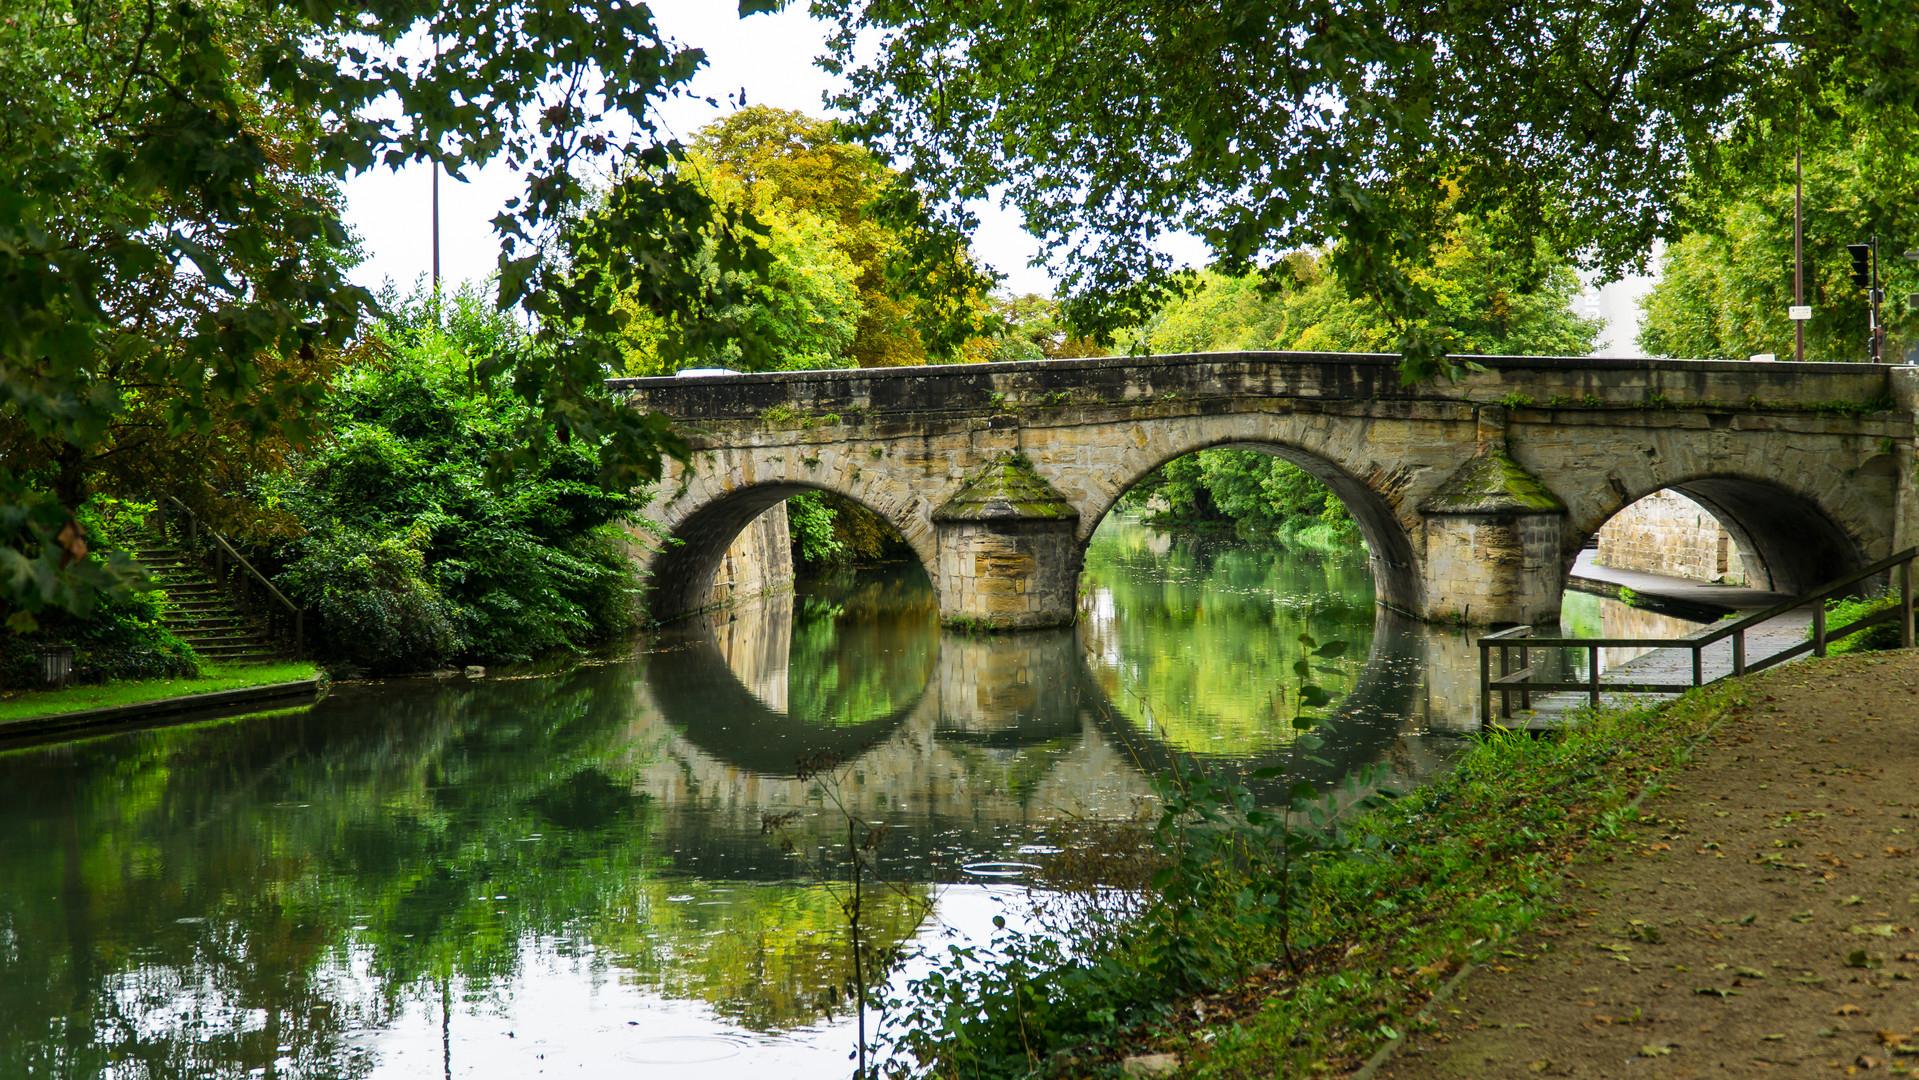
(851, 280)
(1359, 128)
(803, 311)
(1488, 302)
(1031, 328)
(1255, 491)
(1725, 287)
(181, 158)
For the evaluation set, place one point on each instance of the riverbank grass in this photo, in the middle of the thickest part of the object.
(1443, 877)
(26, 704)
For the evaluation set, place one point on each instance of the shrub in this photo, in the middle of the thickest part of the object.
(492, 566)
(375, 608)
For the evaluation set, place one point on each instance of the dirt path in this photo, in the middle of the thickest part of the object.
(1759, 922)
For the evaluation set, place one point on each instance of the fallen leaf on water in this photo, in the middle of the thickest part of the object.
(1714, 991)
(1860, 958)
(1650, 1050)
(1848, 1010)
(1750, 973)
(1851, 901)
(1876, 929)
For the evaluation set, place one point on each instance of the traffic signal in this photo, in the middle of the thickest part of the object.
(1861, 264)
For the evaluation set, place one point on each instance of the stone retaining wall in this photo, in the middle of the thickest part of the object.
(1667, 533)
(759, 561)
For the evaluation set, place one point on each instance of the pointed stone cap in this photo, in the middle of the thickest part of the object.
(1492, 483)
(1007, 490)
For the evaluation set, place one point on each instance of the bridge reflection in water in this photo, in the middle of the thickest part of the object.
(970, 744)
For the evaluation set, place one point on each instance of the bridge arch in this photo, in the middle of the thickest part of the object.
(704, 518)
(1790, 540)
(1368, 491)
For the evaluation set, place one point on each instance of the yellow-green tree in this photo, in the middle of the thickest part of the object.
(857, 275)
(1489, 300)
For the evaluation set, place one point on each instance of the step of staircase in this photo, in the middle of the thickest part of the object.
(199, 612)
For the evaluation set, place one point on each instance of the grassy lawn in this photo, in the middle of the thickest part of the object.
(21, 704)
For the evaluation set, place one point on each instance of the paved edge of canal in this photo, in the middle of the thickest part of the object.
(1758, 919)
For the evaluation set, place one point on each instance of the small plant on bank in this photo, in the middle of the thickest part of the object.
(1516, 400)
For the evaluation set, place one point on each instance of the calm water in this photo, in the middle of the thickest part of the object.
(567, 874)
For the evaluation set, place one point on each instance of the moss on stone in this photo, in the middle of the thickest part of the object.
(1007, 488)
(1493, 483)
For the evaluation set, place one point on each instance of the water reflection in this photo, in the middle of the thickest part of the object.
(501, 876)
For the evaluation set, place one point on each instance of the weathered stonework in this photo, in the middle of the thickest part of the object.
(1805, 489)
(757, 562)
(1667, 533)
(1009, 558)
(1492, 539)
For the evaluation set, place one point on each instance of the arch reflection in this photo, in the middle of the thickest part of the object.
(969, 742)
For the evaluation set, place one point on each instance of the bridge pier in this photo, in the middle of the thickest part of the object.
(1009, 555)
(1493, 542)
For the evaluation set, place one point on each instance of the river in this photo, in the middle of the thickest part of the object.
(616, 866)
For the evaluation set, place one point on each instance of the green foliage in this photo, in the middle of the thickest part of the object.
(1396, 900)
(1235, 883)
(1032, 328)
(831, 530)
(1725, 286)
(412, 556)
(1487, 301)
(1358, 128)
(119, 635)
(1257, 491)
(175, 260)
(375, 607)
(810, 520)
(835, 290)
(120, 638)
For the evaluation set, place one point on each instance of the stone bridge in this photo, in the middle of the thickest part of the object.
(1473, 496)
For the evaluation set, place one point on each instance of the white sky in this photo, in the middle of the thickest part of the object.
(770, 57)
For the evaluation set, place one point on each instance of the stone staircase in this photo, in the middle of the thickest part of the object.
(202, 614)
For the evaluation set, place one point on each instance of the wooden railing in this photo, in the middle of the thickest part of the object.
(1521, 681)
(232, 572)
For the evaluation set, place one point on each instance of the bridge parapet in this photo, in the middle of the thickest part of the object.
(1546, 381)
(1808, 465)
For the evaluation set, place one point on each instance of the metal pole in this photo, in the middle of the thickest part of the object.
(1872, 302)
(1819, 627)
(1592, 673)
(1525, 688)
(1505, 692)
(1905, 604)
(1698, 666)
(1798, 253)
(1739, 651)
(1485, 683)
